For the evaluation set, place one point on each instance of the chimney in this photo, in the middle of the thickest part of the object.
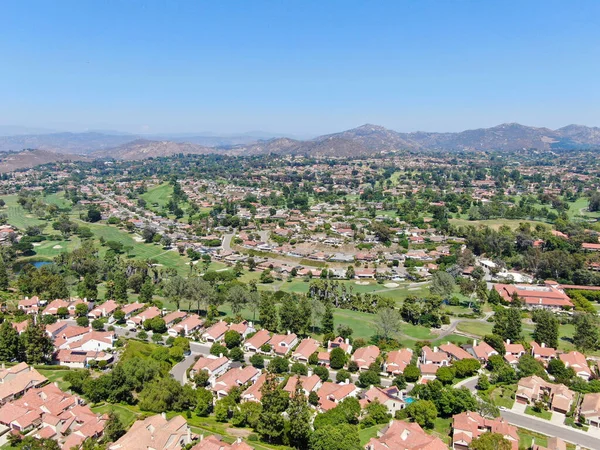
(543, 345)
(508, 342)
(474, 342)
(347, 341)
(250, 325)
(220, 355)
(164, 416)
(238, 440)
(347, 381)
(289, 332)
(435, 349)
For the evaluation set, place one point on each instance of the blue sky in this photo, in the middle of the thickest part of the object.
(303, 67)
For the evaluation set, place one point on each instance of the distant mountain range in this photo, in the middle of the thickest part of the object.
(364, 140)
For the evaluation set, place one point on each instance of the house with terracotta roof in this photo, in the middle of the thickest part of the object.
(534, 388)
(309, 383)
(397, 360)
(147, 314)
(390, 397)
(80, 359)
(339, 341)
(365, 356)
(306, 348)
(435, 356)
(482, 350)
(513, 352)
(155, 432)
(253, 393)
(535, 297)
(215, 366)
(187, 326)
(543, 353)
(401, 435)
(174, 316)
(234, 377)
(578, 363)
(330, 394)
(214, 443)
(244, 328)
(216, 332)
(455, 352)
(17, 380)
(259, 339)
(281, 344)
(20, 326)
(106, 309)
(131, 308)
(470, 425)
(29, 305)
(590, 409)
(53, 307)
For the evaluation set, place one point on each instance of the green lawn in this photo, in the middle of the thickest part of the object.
(502, 395)
(546, 415)
(158, 195)
(441, 429)
(494, 223)
(56, 376)
(17, 216)
(125, 413)
(367, 433)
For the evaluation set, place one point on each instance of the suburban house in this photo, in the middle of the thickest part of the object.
(215, 366)
(339, 341)
(554, 443)
(253, 393)
(306, 348)
(365, 356)
(513, 352)
(18, 379)
(590, 409)
(216, 332)
(234, 377)
(406, 436)
(187, 326)
(172, 317)
(106, 309)
(155, 432)
(244, 328)
(390, 397)
(542, 353)
(281, 344)
(132, 308)
(147, 314)
(397, 360)
(456, 353)
(578, 363)
(259, 339)
(435, 356)
(330, 394)
(482, 351)
(29, 305)
(470, 425)
(534, 388)
(214, 443)
(309, 383)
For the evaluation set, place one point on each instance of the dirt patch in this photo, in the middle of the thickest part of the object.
(238, 432)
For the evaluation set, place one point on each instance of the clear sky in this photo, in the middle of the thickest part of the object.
(303, 67)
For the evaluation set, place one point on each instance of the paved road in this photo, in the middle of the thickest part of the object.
(179, 370)
(469, 383)
(549, 429)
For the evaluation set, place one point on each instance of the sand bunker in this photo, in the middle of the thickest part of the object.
(56, 247)
(391, 285)
(362, 283)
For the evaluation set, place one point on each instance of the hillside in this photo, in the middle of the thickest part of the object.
(76, 143)
(32, 158)
(143, 148)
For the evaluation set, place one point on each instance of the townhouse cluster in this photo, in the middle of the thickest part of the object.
(32, 406)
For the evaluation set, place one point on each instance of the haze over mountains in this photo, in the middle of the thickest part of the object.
(364, 140)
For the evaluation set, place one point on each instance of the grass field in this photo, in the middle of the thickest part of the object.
(367, 433)
(494, 223)
(17, 216)
(56, 376)
(158, 196)
(125, 414)
(546, 415)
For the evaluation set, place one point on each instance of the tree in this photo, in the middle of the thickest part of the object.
(257, 361)
(399, 381)
(93, 214)
(83, 322)
(268, 313)
(232, 339)
(343, 375)
(327, 324)
(322, 373)
(388, 322)
(279, 365)
(236, 354)
(147, 291)
(335, 437)
(496, 342)
(204, 403)
(274, 400)
(445, 375)
(528, 366)
(289, 316)
(3, 275)
(98, 325)
(586, 336)
(175, 289)
(423, 412)
(483, 382)
(237, 296)
(9, 342)
(490, 441)
(368, 378)
(412, 373)
(337, 358)
(114, 428)
(37, 346)
(299, 416)
(507, 323)
(546, 328)
(377, 414)
(561, 373)
(466, 367)
(442, 284)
